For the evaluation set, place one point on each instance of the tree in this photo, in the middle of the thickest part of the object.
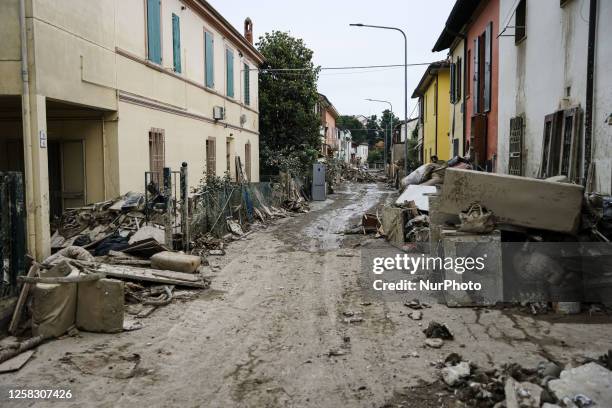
(373, 129)
(288, 124)
(388, 122)
(358, 131)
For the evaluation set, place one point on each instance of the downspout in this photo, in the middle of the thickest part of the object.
(590, 79)
(27, 138)
(437, 112)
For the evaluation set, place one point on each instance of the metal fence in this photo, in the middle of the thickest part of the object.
(12, 232)
(210, 210)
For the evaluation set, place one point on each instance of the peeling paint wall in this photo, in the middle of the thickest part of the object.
(546, 72)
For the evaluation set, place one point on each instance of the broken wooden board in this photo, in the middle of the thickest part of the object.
(16, 363)
(150, 275)
(514, 200)
(393, 224)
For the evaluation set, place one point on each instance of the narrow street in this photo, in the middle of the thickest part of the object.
(272, 332)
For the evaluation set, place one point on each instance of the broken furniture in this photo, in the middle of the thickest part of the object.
(460, 245)
(518, 201)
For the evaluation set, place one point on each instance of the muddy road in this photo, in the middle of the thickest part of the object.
(278, 329)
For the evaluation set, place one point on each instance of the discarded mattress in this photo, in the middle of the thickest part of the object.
(418, 195)
(521, 201)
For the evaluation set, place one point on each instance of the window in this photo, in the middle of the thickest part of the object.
(229, 72)
(209, 55)
(482, 63)
(515, 159)
(176, 43)
(488, 42)
(211, 157)
(520, 29)
(467, 74)
(154, 31)
(247, 160)
(458, 81)
(228, 157)
(247, 85)
(561, 147)
(157, 157)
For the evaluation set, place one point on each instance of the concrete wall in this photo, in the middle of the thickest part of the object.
(547, 72)
(185, 140)
(10, 53)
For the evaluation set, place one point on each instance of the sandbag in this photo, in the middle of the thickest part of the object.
(420, 175)
(174, 261)
(53, 308)
(100, 306)
(71, 252)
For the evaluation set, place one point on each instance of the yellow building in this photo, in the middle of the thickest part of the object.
(434, 105)
(116, 88)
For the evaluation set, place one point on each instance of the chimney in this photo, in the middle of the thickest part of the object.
(248, 30)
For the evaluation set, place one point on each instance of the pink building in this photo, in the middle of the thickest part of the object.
(330, 134)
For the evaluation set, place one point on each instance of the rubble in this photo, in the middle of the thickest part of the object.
(451, 374)
(590, 380)
(438, 331)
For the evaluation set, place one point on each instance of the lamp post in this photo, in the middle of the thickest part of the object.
(390, 125)
(405, 82)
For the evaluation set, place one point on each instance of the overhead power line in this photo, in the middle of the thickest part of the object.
(338, 68)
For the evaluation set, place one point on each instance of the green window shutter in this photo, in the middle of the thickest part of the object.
(176, 42)
(209, 55)
(229, 63)
(247, 85)
(153, 31)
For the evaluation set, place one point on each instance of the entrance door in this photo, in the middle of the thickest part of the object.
(73, 174)
(66, 176)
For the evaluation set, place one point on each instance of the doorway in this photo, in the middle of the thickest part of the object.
(66, 175)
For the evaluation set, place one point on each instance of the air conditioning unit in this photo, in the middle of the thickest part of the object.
(218, 113)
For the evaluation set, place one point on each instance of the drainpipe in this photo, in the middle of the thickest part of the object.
(27, 137)
(588, 114)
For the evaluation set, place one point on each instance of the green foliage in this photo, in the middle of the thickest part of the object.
(413, 153)
(358, 131)
(289, 160)
(375, 156)
(288, 123)
(373, 129)
(387, 124)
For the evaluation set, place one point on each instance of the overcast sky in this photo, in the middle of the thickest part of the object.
(324, 26)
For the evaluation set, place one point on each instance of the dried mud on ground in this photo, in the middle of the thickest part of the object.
(278, 328)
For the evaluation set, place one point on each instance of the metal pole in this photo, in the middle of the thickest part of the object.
(405, 104)
(405, 82)
(185, 207)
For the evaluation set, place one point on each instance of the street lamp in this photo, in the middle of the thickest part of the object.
(390, 125)
(405, 82)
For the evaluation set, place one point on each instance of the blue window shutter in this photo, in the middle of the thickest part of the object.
(247, 85)
(209, 58)
(153, 31)
(176, 42)
(229, 61)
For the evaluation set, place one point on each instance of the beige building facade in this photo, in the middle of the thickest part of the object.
(111, 89)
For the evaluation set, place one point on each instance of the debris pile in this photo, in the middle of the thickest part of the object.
(513, 386)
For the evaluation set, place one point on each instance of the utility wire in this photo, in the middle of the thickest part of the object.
(338, 68)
